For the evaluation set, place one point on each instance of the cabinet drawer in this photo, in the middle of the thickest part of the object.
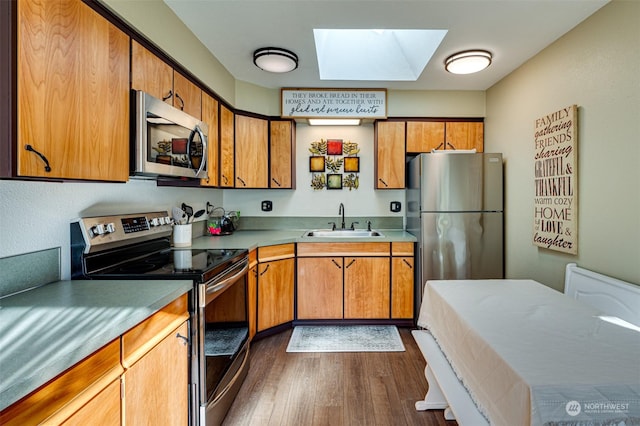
(343, 249)
(281, 251)
(401, 249)
(69, 391)
(141, 338)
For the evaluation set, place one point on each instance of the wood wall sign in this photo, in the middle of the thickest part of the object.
(555, 163)
(333, 103)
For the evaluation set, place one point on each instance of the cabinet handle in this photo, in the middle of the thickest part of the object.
(265, 270)
(439, 146)
(277, 183)
(383, 182)
(350, 263)
(180, 336)
(336, 263)
(169, 95)
(181, 102)
(241, 181)
(408, 264)
(226, 180)
(451, 145)
(47, 168)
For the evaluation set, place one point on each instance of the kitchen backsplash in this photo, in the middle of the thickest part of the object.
(29, 270)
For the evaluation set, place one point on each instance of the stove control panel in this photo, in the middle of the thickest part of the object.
(101, 232)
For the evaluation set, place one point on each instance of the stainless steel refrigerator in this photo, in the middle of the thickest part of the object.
(455, 209)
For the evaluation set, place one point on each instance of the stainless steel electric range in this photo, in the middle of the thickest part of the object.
(138, 247)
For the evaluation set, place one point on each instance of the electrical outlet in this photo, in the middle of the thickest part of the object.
(267, 206)
(395, 206)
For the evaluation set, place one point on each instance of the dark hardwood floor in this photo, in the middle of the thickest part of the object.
(334, 389)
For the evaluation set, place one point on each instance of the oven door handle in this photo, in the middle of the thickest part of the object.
(222, 285)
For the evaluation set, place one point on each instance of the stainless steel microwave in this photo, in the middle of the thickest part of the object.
(165, 140)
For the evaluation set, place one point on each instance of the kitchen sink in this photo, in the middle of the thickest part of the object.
(342, 233)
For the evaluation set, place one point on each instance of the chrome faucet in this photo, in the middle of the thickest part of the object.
(341, 211)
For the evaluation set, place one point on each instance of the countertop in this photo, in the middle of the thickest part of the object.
(252, 239)
(44, 331)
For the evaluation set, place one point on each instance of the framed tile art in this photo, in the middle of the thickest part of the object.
(316, 163)
(334, 181)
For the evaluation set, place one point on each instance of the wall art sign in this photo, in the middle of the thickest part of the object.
(555, 205)
(333, 103)
(334, 164)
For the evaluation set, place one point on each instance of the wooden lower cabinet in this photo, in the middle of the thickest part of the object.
(402, 287)
(402, 280)
(319, 288)
(366, 287)
(156, 388)
(343, 281)
(276, 270)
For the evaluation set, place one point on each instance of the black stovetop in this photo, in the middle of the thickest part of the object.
(148, 261)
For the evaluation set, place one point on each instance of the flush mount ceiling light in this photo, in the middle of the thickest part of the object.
(275, 59)
(468, 62)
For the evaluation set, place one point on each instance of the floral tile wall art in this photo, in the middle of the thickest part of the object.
(334, 164)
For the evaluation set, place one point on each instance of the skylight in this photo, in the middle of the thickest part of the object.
(381, 55)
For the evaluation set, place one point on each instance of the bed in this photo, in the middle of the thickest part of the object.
(516, 352)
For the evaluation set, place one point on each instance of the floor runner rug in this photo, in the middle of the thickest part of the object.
(345, 338)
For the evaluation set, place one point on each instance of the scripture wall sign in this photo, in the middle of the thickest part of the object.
(333, 103)
(555, 206)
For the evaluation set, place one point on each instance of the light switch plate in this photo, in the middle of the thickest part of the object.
(267, 206)
(395, 206)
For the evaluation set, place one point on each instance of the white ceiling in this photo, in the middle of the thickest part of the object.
(513, 30)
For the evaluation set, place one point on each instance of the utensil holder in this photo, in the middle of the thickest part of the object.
(182, 235)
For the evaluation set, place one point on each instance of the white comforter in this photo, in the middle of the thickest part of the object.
(529, 355)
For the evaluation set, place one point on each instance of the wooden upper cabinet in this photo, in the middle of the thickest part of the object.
(187, 96)
(465, 135)
(71, 62)
(252, 152)
(390, 155)
(151, 74)
(227, 147)
(210, 115)
(425, 136)
(282, 154)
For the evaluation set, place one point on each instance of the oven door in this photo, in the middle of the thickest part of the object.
(168, 141)
(223, 331)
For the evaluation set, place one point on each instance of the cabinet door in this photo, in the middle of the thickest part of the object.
(390, 155)
(227, 147)
(366, 287)
(319, 288)
(402, 286)
(187, 96)
(252, 296)
(150, 73)
(73, 93)
(210, 116)
(156, 387)
(275, 293)
(252, 152)
(465, 135)
(425, 136)
(281, 155)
